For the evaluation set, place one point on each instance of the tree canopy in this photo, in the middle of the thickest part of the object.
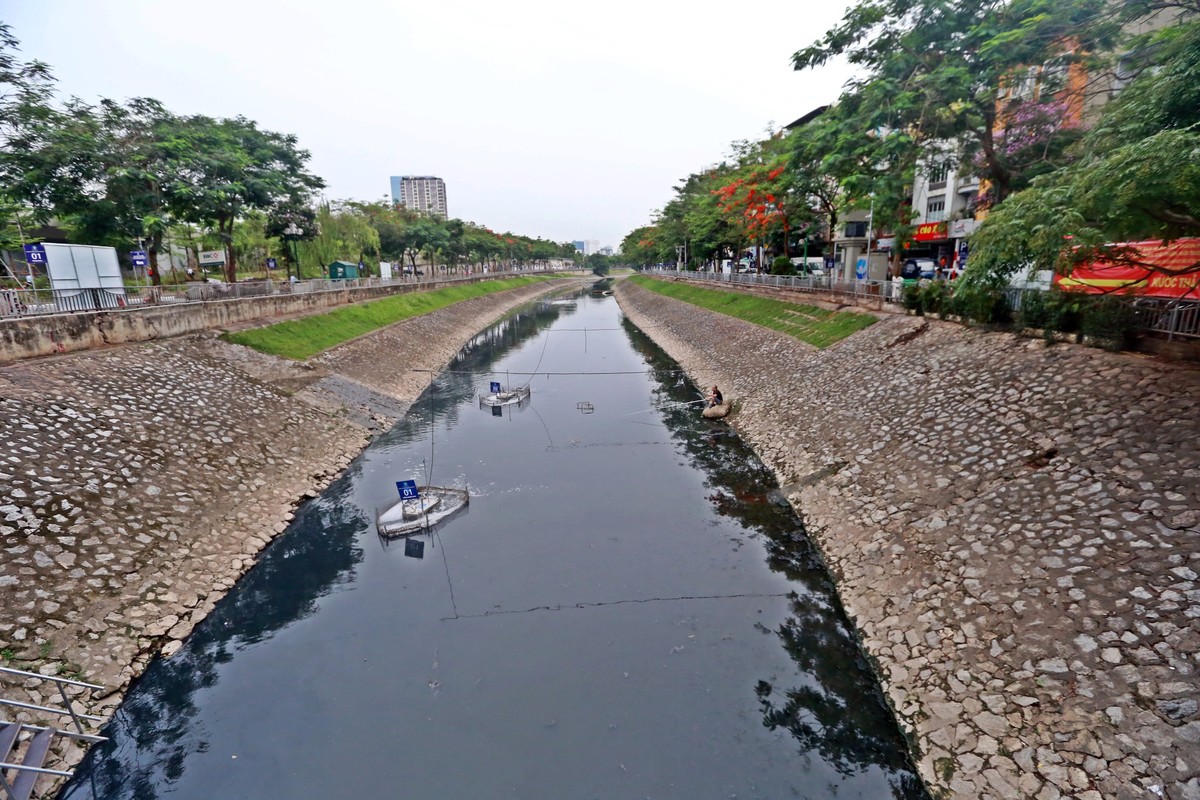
(116, 173)
(1136, 176)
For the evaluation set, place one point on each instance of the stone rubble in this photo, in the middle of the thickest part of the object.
(1013, 529)
(138, 483)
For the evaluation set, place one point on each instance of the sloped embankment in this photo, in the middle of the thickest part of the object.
(1012, 528)
(139, 482)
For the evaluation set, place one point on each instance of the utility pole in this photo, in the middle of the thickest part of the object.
(870, 230)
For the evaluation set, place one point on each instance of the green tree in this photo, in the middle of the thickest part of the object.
(943, 71)
(343, 233)
(234, 168)
(1137, 177)
(26, 90)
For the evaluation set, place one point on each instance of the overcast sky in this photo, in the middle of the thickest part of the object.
(563, 119)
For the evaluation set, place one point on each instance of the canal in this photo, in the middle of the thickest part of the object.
(625, 610)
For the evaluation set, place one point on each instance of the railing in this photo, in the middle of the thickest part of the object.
(67, 710)
(854, 291)
(38, 302)
(1175, 318)
(17, 777)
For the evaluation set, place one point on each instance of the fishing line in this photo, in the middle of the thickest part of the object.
(603, 604)
(549, 374)
(432, 425)
(666, 407)
(545, 341)
(545, 427)
(449, 582)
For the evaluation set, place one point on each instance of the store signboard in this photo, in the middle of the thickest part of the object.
(930, 231)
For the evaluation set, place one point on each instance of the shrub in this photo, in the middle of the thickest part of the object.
(1108, 321)
(782, 265)
(1063, 313)
(910, 298)
(983, 305)
(1034, 311)
(935, 298)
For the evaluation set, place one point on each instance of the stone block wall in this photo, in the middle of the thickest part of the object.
(1013, 529)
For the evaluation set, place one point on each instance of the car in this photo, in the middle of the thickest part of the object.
(409, 271)
(918, 268)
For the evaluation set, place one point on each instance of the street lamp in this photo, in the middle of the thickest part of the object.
(293, 232)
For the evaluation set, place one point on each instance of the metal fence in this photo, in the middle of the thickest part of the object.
(26, 302)
(1175, 318)
(831, 288)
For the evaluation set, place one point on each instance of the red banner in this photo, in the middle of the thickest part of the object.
(1156, 280)
(930, 231)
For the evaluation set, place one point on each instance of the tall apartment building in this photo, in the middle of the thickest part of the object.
(423, 193)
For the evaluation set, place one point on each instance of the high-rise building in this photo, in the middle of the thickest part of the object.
(586, 246)
(423, 193)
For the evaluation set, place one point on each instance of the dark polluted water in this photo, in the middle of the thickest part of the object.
(621, 612)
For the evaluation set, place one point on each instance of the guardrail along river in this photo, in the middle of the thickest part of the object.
(621, 612)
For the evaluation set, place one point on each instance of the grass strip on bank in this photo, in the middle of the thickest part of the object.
(810, 324)
(305, 337)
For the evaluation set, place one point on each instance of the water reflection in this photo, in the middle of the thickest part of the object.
(624, 614)
(156, 720)
(814, 705)
(467, 374)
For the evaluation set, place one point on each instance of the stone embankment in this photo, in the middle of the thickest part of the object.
(1013, 529)
(138, 483)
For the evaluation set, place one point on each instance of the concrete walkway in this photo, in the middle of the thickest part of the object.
(1014, 532)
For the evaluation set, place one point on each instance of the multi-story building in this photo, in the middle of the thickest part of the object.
(586, 246)
(423, 193)
(943, 191)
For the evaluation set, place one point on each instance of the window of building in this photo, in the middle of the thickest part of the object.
(856, 230)
(935, 211)
(938, 172)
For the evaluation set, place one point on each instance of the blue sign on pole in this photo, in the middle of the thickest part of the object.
(138, 257)
(860, 268)
(962, 254)
(272, 263)
(494, 387)
(408, 490)
(35, 254)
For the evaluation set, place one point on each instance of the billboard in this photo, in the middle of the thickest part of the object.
(1165, 273)
(84, 277)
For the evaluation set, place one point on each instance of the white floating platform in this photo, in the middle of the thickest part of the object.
(406, 517)
(505, 398)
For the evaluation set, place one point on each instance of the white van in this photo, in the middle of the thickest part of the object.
(813, 265)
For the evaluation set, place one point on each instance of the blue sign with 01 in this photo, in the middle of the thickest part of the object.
(408, 490)
(35, 254)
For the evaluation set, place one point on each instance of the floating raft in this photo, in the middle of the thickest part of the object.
(406, 517)
(716, 412)
(505, 398)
